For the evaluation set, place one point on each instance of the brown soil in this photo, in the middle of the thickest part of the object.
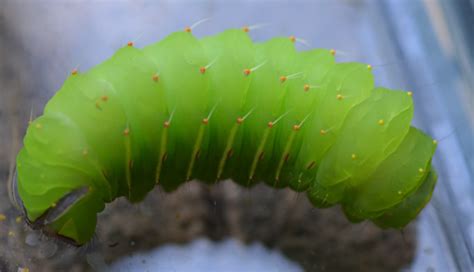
(320, 240)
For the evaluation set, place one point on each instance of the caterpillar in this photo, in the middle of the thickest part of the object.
(223, 107)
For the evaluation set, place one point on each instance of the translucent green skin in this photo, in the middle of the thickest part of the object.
(118, 130)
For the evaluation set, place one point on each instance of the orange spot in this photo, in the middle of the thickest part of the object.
(296, 127)
(333, 52)
(205, 121)
(126, 132)
(74, 72)
(283, 79)
(292, 38)
(155, 77)
(130, 44)
(270, 124)
(104, 98)
(187, 29)
(247, 71)
(306, 87)
(246, 29)
(240, 120)
(202, 70)
(323, 132)
(166, 124)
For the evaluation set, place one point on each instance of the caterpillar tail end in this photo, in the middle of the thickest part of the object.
(403, 213)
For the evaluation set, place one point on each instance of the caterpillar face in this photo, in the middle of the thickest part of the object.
(217, 108)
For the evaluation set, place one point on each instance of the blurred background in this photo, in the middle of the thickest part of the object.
(425, 46)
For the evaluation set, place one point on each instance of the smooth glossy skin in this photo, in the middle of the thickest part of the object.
(224, 107)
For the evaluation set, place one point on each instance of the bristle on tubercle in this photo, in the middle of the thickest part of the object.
(12, 183)
(131, 43)
(190, 29)
(248, 28)
(299, 40)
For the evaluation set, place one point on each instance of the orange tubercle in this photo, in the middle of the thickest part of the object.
(247, 72)
(202, 70)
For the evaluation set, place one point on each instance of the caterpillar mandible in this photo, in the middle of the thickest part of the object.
(223, 107)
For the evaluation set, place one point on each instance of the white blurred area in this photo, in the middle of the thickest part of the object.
(205, 256)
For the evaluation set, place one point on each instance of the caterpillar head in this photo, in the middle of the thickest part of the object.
(70, 217)
(61, 219)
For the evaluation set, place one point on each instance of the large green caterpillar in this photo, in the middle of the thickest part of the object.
(223, 107)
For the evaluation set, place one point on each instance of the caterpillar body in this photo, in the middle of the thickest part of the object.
(223, 107)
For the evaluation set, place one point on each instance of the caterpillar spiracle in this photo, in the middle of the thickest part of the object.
(223, 107)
